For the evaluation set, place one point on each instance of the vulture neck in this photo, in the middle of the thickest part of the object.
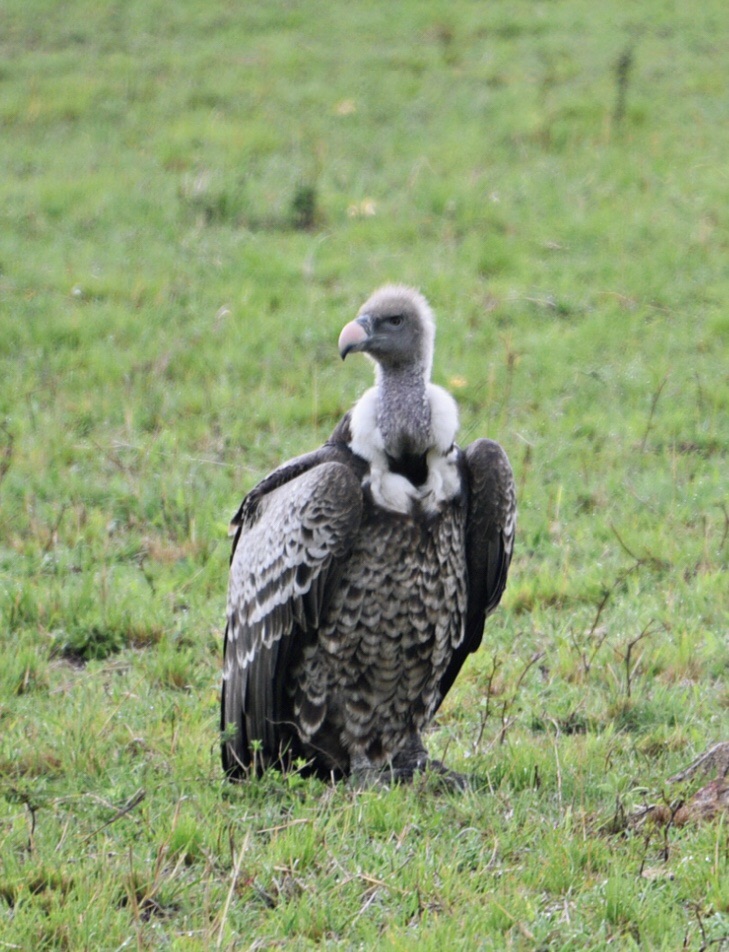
(404, 419)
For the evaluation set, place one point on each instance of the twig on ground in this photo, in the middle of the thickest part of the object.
(648, 558)
(133, 802)
(509, 702)
(654, 404)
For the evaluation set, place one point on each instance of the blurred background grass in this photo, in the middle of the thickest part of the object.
(195, 198)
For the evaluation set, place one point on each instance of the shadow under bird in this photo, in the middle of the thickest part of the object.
(362, 573)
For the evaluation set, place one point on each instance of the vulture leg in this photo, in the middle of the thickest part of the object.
(413, 758)
(400, 768)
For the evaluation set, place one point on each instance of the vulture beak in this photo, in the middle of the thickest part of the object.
(355, 335)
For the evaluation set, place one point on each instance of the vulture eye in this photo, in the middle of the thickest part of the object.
(394, 320)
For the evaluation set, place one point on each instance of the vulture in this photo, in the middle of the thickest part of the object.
(362, 572)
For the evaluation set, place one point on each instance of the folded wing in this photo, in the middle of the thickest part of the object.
(287, 558)
(490, 527)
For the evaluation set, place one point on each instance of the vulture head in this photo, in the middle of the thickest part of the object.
(394, 327)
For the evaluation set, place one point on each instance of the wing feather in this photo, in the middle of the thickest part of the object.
(286, 559)
(490, 528)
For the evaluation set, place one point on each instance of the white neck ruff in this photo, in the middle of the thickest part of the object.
(391, 490)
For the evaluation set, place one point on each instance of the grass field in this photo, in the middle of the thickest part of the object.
(195, 197)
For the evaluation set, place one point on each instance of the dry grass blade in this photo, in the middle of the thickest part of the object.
(231, 891)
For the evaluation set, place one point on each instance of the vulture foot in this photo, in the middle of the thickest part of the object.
(410, 763)
(449, 779)
(432, 771)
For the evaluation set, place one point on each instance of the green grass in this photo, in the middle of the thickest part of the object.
(195, 198)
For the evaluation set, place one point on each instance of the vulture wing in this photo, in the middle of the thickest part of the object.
(293, 532)
(490, 525)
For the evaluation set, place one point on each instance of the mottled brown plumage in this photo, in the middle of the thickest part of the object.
(362, 573)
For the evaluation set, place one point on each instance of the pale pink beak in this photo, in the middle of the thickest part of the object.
(353, 336)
